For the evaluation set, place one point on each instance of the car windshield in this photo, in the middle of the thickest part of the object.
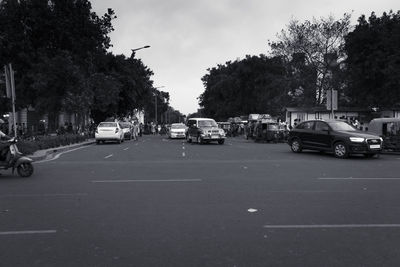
(207, 123)
(177, 126)
(107, 124)
(341, 126)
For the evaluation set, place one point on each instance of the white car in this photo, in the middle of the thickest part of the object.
(177, 130)
(109, 131)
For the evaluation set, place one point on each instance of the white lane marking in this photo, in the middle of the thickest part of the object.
(61, 153)
(252, 210)
(29, 232)
(146, 181)
(183, 154)
(183, 148)
(126, 148)
(109, 156)
(44, 195)
(317, 226)
(359, 178)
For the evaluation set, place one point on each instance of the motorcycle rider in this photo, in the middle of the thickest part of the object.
(3, 145)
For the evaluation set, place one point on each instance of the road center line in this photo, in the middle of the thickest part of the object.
(359, 178)
(29, 232)
(146, 181)
(109, 156)
(44, 195)
(126, 148)
(318, 226)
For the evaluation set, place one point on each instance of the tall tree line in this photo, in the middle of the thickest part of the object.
(309, 58)
(59, 51)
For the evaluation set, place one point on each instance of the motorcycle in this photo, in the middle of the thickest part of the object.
(16, 160)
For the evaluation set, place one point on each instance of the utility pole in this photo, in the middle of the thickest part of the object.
(155, 108)
(10, 87)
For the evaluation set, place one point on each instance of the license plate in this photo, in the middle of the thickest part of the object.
(375, 146)
(214, 136)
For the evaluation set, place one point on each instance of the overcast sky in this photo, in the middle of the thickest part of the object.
(189, 36)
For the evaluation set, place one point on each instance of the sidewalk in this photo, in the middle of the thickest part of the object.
(46, 153)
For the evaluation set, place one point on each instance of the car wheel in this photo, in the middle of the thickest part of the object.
(221, 142)
(97, 142)
(188, 139)
(340, 150)
(296, 146)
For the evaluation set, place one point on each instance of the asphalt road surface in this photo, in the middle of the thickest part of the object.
(161, 202)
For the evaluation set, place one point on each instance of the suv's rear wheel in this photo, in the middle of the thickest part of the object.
(296, 146)
(188, 139)
(340, 150)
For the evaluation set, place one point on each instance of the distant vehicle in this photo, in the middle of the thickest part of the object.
(389, 130)
(334, 136)
(177, 130)
(204, 130)
(268, 131)
(127, 129)
(109, 131)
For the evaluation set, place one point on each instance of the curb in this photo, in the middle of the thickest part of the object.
(46, 153)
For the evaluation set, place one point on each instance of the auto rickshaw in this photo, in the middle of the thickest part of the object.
(389, 130)
(266, 131)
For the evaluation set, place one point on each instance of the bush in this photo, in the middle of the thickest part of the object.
(45, 142)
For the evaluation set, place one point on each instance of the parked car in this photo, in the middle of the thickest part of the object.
(109, 131)
(334, 136)
(177, 130)
(389, 130)
(204, 130)
(127, 129)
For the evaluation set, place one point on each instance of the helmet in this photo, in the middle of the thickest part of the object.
(1, 121)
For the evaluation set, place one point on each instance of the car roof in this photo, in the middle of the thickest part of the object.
(328, 120)
(383, 120)
(200, 119)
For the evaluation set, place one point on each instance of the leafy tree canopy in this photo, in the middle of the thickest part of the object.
(374, 61)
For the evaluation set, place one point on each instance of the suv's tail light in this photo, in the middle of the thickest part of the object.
(116, 130)
(97, 130)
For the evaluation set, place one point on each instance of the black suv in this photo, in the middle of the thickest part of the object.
(336, 136)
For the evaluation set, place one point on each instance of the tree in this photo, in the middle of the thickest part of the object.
(55, 79)
(320, 44)
(252, 85)
(374, 61)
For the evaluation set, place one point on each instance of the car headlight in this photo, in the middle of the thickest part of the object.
(357, 139)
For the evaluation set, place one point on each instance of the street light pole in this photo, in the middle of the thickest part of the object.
(136, 49)
(155, 107)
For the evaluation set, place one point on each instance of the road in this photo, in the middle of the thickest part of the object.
(161, 202)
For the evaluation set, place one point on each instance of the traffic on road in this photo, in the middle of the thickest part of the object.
(161, 201)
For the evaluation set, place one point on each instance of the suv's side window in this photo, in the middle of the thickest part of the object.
(321, 126)
(308, 125)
